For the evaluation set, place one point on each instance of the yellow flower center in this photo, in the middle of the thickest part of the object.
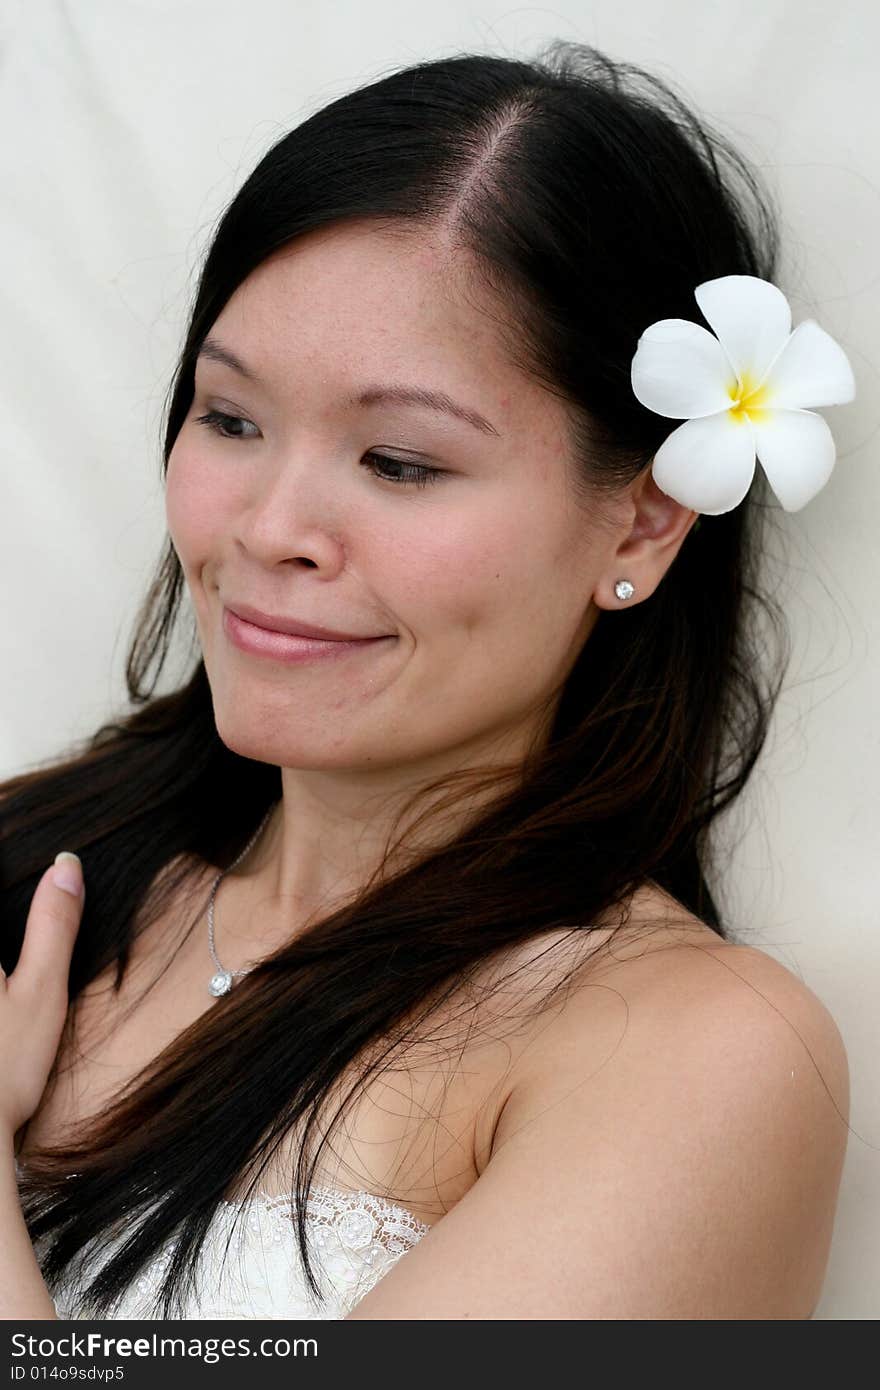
(747, 395)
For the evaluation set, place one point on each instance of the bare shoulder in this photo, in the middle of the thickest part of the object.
(667, 981)
(717, 1075)
(745, 990)
(663, 978)
(671, 1145)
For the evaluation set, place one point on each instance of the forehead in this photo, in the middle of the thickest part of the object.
(400, 279)
(366, 301)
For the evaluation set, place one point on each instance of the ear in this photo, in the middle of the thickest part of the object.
(649, 541)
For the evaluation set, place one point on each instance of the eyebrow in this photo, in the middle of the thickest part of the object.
(371, 395)
(218, 353)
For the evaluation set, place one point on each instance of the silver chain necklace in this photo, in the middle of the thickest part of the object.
(221, 982)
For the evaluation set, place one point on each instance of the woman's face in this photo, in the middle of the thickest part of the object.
(479, 581)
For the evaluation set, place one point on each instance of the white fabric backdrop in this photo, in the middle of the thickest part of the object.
(128, 124)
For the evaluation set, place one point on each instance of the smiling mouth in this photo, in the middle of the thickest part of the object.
(295, 627)
(290, 647)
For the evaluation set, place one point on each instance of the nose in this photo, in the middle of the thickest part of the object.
(292, 518)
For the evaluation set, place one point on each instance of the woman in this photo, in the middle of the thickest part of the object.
(397, 960)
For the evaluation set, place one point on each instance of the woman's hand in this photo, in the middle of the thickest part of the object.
(34, 998)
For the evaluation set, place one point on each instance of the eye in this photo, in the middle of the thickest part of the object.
(218, 422)
(416, 473)
(401, 473)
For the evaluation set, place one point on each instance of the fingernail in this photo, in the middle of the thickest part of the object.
(67, 873)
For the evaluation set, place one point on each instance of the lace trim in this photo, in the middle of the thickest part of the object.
(352, 1214)
(358, 1236)
(357, 1219)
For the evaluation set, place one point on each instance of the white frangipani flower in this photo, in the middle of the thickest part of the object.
(741, 393)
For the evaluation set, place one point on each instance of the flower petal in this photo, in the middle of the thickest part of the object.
(811, 369)
(796, 449)
(680, 370)
(751, 317)
(707, 465)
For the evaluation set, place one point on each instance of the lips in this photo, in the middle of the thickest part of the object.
(296, 627)
(292, 648)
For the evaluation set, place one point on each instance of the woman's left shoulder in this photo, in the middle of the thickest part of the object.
(701, 1081)
(665, 981)
(740, 985)
(679, 980)
(670, 1145)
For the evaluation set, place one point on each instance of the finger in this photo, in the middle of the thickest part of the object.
(52, 924)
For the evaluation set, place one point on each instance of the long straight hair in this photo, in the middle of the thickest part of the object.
(594, 200)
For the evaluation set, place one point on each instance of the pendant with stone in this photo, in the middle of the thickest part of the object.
(221, 983)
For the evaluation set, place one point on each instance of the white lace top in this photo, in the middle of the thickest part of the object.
(354, 1238)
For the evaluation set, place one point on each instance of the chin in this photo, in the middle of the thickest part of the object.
(302, 748)
(257, 742)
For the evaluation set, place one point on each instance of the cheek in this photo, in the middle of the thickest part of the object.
(513, 588)
(193, 503)
(466, 570)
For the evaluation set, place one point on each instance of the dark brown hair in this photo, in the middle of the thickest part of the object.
(594, 200)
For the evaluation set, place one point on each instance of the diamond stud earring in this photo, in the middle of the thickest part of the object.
(624, 589)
